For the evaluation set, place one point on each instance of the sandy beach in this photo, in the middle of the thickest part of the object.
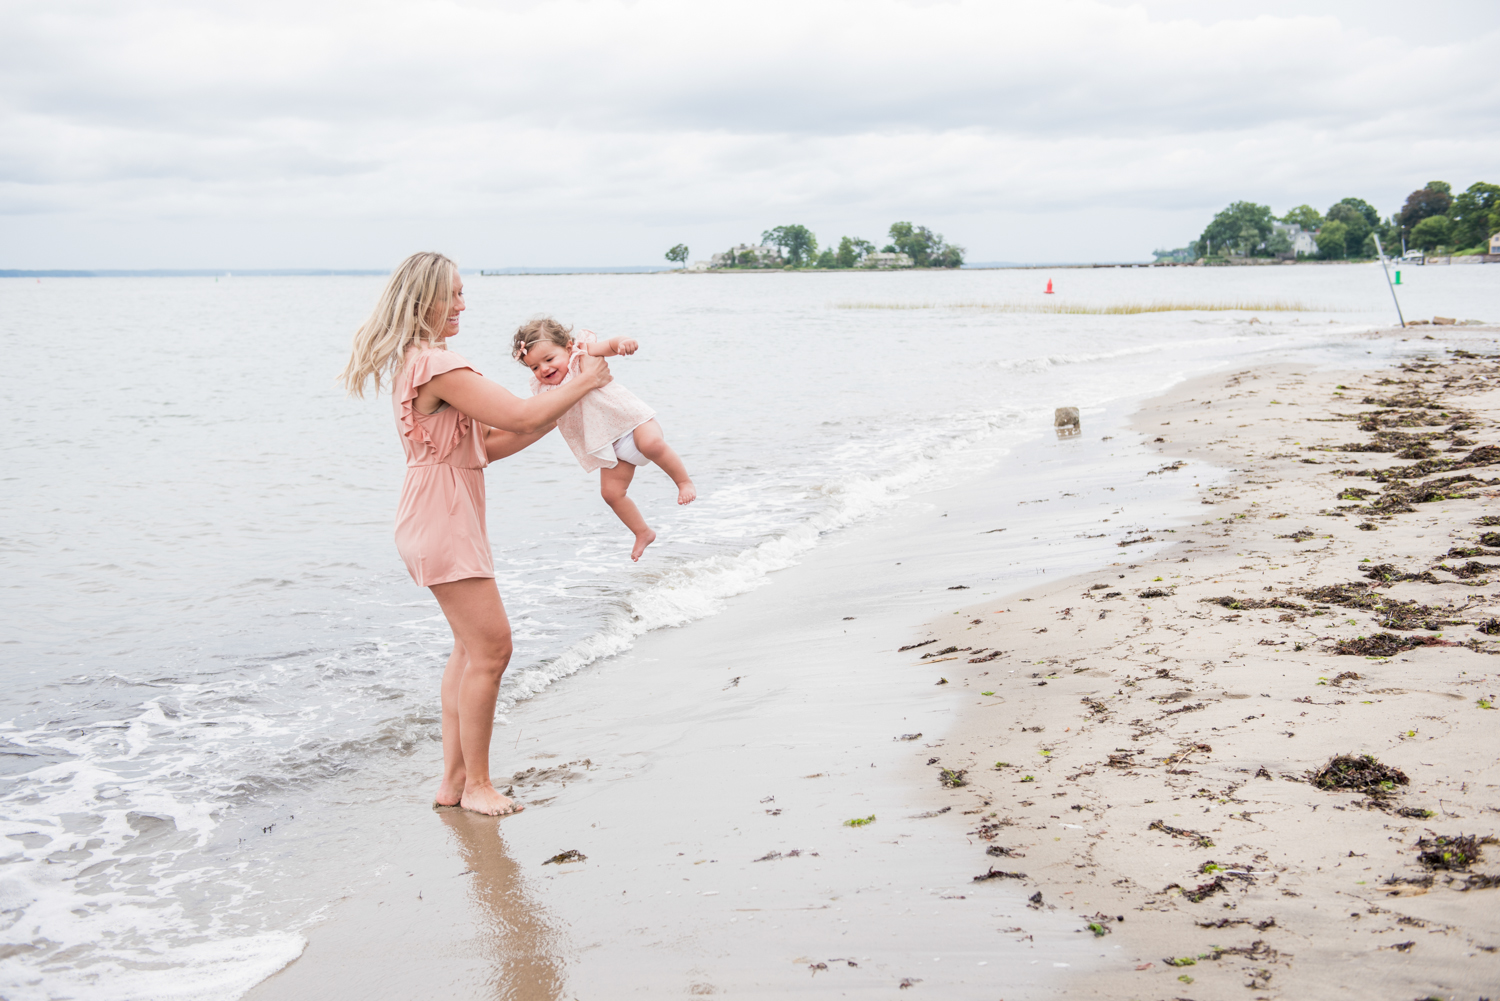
(1103, 792)
(1146, 743)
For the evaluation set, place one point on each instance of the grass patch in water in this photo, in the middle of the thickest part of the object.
(1114, 309)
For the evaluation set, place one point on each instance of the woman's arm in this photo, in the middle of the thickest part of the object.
(493, 404)
(498, 444)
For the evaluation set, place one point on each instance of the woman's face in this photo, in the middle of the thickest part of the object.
(456, 306)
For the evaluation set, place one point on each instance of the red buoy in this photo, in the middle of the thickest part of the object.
(1049, 286)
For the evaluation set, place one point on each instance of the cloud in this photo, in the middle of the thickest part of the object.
(588, 132)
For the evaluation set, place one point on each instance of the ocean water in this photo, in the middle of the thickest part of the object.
(206, 613)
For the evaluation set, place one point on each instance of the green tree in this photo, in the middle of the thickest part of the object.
(926, 248)
(1305, 216)
(1424, 203)
(797, 243)
(679, 254)
(1331, 240)
(852, 250)
(1228, 227)
(1434, 231)
(1279, 243)
(1475, 215)
(827, 259)
(1357, 225)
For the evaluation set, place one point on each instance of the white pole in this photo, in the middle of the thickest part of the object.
(1387, 271)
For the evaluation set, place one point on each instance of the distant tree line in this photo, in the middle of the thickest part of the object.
(1433, 218)
(796, 246)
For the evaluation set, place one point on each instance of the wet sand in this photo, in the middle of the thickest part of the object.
(1146, 741)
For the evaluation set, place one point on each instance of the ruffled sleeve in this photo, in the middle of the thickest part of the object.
(439, 432)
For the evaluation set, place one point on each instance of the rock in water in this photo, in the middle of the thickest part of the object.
(1065, 419)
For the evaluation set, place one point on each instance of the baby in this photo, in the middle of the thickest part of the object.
(610, 429)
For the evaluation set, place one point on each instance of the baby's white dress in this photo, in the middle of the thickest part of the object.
(600, 428)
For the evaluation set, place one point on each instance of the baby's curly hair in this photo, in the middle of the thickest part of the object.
(536, 330)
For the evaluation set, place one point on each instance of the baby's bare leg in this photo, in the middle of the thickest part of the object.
(648, 438)
(612, 485)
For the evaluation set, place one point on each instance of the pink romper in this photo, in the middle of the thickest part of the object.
(440, 531)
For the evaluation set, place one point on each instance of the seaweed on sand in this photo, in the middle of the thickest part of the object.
(1455, 852)
(951, 779)
(998, 874)
(1358, 773)
(1199, 840)
(1238, 604)
(1384, 645)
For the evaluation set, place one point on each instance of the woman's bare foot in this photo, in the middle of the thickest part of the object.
(487, 800)
(642, 540)
(686, 492)
(449, 793)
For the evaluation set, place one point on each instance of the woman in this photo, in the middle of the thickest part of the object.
(453, 422)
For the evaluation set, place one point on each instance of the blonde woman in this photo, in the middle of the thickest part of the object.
(453, 422)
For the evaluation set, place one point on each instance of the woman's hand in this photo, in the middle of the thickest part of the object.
(594, 370)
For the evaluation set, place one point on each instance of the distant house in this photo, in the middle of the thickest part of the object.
(1495, 244)
(878, 259)
(746, 255)
(1303, 242)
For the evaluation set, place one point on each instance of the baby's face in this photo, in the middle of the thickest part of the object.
(548, 362)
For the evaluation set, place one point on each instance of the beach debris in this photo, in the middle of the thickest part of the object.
(909, 982)
(733, 683)
(1098, 587)
(1481, 882)
(1238, 604)
(1134, 542)
(571, 855)
(1199, 840)
(1230, 922)
(930, 813)
(986, 658)
(860, 821)
(1366, 526)
(992, 531)
(942, 681)
(773, 856)
(1167, 469)
(907, 736)
(1344, 676)
(998, 874)
(1358, 773)
(1063, 416)
(941, 653)
(1000, 852)
(1035, 901)
(1415, 812)
(990, 829)
(1154, 592)
(959, 587)
(1385, 644)
(952, 779)
(1453, 852)
(913, 646)
(815, 967)
(1300, 535)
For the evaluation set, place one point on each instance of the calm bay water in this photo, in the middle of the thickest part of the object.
(206, 610)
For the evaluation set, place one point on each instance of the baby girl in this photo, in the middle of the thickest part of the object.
(610, 429)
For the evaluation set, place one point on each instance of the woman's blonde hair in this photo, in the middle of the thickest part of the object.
(534, 332)
(414, 307)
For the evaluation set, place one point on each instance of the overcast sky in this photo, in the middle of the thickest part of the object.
(534, 132)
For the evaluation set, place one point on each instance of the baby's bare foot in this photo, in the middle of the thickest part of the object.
(487, 800)
(642, 540)
(686, 492)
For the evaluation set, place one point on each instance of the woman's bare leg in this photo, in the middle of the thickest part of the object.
(477, 618)
(612, 485)
(451, 788)
(648, 438)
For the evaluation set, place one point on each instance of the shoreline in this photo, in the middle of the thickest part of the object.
(1159, 718)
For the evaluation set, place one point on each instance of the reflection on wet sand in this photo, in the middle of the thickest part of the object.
(509, 926)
